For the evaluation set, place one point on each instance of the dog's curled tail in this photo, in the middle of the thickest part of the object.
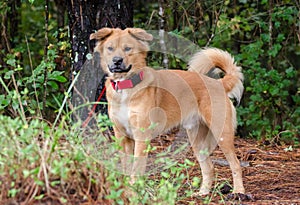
(209, 58)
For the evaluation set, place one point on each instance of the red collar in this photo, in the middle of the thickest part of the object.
(129, 83)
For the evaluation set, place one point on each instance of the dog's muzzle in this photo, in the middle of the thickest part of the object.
(118, 65)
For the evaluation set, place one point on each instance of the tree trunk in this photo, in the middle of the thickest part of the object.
(84, 18)
(162, 26)
(9, 24)
(14, 19)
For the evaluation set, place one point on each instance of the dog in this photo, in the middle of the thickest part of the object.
(143, 102)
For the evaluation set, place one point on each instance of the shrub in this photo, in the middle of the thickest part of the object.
(270, 106)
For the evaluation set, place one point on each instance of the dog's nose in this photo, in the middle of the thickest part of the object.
(117, 60)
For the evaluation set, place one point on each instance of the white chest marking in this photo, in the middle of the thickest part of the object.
(121, 113)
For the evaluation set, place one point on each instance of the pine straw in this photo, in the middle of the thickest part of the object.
(272, 177)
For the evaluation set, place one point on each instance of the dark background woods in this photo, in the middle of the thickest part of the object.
(263, 36)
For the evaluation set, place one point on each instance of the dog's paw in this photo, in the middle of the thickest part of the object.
(132, 180)
(129, 193)
(200, 194)
(240, 197)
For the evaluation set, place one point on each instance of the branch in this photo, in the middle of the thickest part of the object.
(215, 26)
(45, 55)
(162, 42)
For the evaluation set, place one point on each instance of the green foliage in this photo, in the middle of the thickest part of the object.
(36, 157)
(30, 88)
(271, 102)
(162, 189)
(263, 37)
(24, 67)
(27, 91)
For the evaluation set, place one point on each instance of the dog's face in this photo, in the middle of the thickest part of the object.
(121, 51)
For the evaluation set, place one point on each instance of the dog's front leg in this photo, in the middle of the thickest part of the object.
(126, 151)
(139, 160)
(127, 145)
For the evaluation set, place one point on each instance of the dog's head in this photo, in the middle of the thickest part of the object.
(121, 51)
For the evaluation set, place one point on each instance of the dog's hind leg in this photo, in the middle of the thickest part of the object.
(227, 146)
(203, 144)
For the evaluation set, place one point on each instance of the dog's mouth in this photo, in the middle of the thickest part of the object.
(119, 68)
(118, 65)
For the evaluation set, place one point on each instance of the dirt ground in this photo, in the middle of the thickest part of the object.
(271, 175)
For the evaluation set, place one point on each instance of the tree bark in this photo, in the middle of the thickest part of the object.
(85, 17)
(60, 12)
(9, 24)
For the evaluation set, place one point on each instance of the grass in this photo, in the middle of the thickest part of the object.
(65, 165)
(39, 163)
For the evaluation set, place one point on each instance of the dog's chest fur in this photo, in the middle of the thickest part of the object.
(120, 112)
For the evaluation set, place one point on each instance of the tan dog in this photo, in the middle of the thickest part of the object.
(144, 102)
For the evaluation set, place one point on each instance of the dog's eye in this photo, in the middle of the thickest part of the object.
(127, 49)
(110, 48)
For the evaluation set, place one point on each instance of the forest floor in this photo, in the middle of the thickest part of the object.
(271, 175)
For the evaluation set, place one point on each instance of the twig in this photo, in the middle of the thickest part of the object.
(271, 4)
(4, 85)
(4, 32)
(43, 165)
(65, 99)
(31, 67)
(162, 34)
(298, 32)
(151, 17)
(19, 99)
(215, 26)
(45, 56)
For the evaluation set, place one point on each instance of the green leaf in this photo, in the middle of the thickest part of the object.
(3, 101)
(11, 62)
(274, 91)
(61, 79)
(13, 192)
(39, 182)
(57, 76)
(54, 183)
(39, 197)
(53, 85)
(196, 182)
(8, 74)
(165, 174)
(189, 162)
(290, 72)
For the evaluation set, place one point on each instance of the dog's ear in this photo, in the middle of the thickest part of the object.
(101, 34)
(140, 34)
